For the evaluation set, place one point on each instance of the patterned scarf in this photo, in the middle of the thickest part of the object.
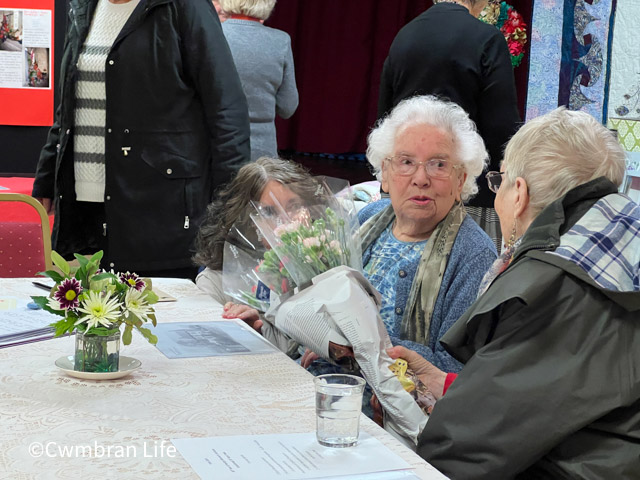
(426, 283)
(498, 266)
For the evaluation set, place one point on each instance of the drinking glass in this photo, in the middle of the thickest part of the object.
(338, 406)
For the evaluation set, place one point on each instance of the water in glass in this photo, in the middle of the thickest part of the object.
(338, 407)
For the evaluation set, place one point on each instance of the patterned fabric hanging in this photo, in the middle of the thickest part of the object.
(570, 56)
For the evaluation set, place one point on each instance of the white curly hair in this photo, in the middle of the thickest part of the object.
(430, 110)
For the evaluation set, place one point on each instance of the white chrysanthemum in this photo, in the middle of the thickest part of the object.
(54, 304)
(99, 310)
(135, 303)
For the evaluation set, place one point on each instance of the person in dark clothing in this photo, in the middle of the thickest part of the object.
(448, 52)
(552, 347)
(152, 119)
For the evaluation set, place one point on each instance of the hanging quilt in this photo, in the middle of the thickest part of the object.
(624, 85)
(628, 133)
(570, 51)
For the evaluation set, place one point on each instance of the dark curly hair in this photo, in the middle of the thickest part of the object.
(233, 202)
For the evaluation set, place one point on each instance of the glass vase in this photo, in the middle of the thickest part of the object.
(97, 353)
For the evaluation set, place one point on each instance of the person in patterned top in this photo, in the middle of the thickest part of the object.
(421, 250)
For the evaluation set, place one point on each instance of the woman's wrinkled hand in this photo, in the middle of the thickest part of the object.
(308, 358)
(244, 312)
(428, 374)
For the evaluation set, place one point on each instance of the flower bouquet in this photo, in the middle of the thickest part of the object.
(308, 241)
(319, 235)
(511, 25)
(334, 310)
(95, 304)
(280, 246)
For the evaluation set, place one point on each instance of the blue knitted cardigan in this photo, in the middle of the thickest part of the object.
(471, 256)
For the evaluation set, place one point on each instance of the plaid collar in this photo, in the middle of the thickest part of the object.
(555, 220)
(605, 243)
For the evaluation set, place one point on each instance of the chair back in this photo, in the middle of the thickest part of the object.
(25, 244)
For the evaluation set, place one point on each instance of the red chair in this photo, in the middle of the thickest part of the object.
(25, 245)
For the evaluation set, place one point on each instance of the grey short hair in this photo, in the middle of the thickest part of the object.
(252, 8)
(556, 152)
(429, 110)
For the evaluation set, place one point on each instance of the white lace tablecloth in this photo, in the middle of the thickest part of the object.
(48, 419)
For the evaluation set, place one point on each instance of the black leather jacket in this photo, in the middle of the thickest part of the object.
(176, 127)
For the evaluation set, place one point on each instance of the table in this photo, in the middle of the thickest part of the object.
(164, 399)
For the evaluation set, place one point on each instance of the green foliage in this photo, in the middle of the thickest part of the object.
(53, 275)
(300, 250)
(98, 303)
(66, 325)
(43, 303)
(103, 331)
(127, 334)
(60, 262)
(152, 297)
(148, 335)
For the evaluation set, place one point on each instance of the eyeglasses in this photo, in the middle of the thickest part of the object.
(494, 180)
(405, 166)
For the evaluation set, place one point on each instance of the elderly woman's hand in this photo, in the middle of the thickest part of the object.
(244, 312)
(308, 358)
(430, 375)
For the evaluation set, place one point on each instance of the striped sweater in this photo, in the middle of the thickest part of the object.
(91, 99)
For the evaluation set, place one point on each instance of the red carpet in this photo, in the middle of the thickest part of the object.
(17, 212)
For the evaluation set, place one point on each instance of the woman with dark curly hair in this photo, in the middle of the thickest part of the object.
(260, 181)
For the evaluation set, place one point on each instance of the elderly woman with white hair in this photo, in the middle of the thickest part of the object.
(420, 249)
(552, 347)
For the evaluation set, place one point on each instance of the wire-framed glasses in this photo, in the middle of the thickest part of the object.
(494, 180)
(405, 165)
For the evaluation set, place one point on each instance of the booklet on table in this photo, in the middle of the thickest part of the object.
(209, 339)
(20, 324)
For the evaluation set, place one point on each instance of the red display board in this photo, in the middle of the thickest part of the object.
(26, 62)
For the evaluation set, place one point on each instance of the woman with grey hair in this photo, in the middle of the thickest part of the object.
(255, 182)
(264, 61)
(262, 181)
(421, 251)
(552, 347)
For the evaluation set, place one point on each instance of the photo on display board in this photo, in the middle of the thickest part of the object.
(11, 30)
(36, 67)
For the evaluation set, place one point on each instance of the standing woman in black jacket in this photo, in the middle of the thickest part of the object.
(446, 51)
(152, 119)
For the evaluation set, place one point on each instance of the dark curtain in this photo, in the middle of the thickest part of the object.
(339, 47)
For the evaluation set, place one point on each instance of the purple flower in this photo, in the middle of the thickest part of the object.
(67, 293)
(132, 280)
